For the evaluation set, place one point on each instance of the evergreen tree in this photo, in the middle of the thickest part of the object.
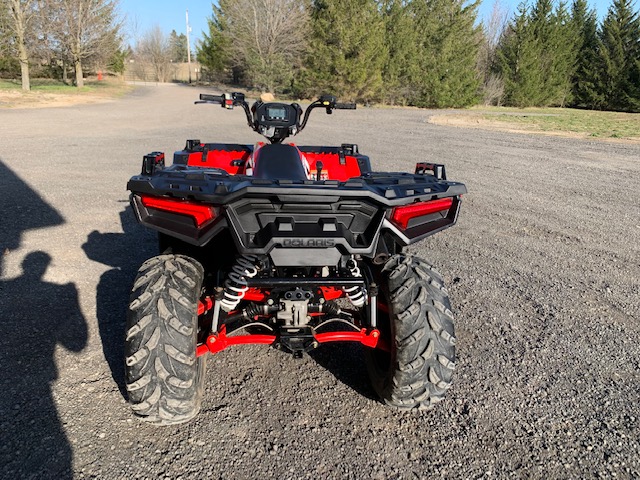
(538, 56)
(117, 62)
(519, 62)
(620, 55)
(179, 47)
(562, 62)
(554, 33)
(448, 50)
(213, 51)
(347, 51)
(401, 41)
(585, 79)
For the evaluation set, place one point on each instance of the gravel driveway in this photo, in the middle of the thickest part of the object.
(543, 269)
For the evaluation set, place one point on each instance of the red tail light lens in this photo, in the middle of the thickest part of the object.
(200, 213)
(402, 215)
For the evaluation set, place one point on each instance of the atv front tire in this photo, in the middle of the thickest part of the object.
(418, 326)
(164, 379)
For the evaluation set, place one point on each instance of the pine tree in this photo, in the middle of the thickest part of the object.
(401, 41)
(178, 47)
(554, 33)
(347, 51)
(538, 54)
(213, 51)
(519, 56)
(585, 79)
(620, 56)
(562, 62)
(448, 50)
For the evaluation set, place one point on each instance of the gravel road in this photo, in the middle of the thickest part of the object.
(543, 269)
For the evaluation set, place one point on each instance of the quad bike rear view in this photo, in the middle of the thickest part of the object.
(287, 246)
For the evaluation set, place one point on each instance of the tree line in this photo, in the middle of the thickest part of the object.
(553, 55)
(429, 53)
(425, 53)
(61, 35)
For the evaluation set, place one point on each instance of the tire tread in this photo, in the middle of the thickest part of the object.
(163, 376)
(423, 361)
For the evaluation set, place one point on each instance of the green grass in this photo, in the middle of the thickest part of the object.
(567, 120)
(44, 85)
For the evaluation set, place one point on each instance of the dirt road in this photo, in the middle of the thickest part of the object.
(543, 269)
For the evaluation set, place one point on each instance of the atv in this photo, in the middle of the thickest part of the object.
(288, 246)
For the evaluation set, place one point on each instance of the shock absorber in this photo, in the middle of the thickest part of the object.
(357, 295)
(235, 286)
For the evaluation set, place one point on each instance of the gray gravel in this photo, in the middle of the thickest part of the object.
(543, 269)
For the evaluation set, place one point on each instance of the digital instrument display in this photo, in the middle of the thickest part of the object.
(277, 113)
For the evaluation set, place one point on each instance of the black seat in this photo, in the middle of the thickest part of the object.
(279, 162)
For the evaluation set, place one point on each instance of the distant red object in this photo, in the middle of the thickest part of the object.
(100, 76)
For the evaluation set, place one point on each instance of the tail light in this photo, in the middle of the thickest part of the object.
(401, 216)
(200, 213)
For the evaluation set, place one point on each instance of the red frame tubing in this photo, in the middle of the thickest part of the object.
(218, 342)
(369, 338)
(205, 305)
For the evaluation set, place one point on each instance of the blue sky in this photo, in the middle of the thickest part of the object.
(170, 14)
(141, 15)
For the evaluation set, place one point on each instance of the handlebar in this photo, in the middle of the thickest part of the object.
(228, 101)
(206, 98)
(329, 103)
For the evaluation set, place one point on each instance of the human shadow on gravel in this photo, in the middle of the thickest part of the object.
(124, 252)
(36, 317)
(345, 361)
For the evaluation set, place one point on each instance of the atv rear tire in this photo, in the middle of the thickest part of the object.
(417, 372)
(164, 378)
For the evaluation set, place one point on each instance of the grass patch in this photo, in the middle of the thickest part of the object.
(589, 123)
(49, 92)
(44, 85)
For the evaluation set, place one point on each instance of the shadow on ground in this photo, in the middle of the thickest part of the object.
(345, 361)
(124, 252)
(35, 317)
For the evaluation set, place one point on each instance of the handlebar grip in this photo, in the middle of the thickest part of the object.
(212, 98)
(345, 106)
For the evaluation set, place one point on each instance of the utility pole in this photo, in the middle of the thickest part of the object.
(188, 46)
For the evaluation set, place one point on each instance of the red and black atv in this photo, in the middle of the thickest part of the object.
(287, 246)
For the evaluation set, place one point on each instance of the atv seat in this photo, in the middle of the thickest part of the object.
(278, 161)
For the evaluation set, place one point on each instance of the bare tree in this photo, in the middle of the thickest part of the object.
(266, 37)
(494, 27)
(19, 16)
(154, 49)
(84, 30)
